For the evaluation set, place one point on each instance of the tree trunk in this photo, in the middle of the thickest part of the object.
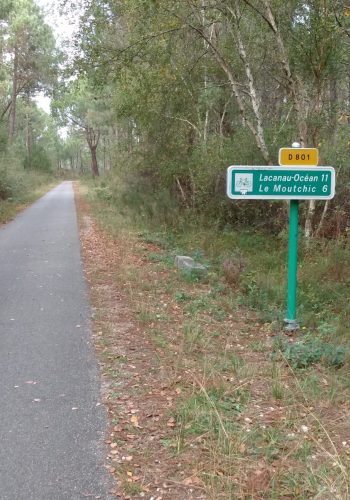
(294, 88)
(205, 77)
(94, 164)
(225, 66)
(254, 98)
(323, 216)
(14, 98)
(333, 96)
(5, 110)
(309, 218)
(93, 138)
(29, 138)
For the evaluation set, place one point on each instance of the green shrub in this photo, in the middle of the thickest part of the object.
(10, 184)
(305, 353)
(38, 159)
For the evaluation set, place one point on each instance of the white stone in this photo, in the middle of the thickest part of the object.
(185, 262)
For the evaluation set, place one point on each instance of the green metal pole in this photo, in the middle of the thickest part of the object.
(291, 321)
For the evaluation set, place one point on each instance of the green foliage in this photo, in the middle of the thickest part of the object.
(29, 66)
(38, 159)
(200, 412)
(18, 187)
(309, 351)
(3, 138)
(163, 88)
(7, 185)
(182, 297)
(193, 275)
(29, 35)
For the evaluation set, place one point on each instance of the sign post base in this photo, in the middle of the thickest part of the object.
(291, 325)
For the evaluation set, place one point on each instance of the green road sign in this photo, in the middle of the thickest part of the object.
(280, 183)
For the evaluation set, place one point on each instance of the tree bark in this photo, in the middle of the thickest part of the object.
(206, 47)
(5, 110)
(293, 85)
(255, 100)
(225, 66)
(309, 218)
(94, 164)
(12, 123)
(93, 138)
(323, 216)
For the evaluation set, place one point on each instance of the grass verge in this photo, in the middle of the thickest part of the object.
(207, 397)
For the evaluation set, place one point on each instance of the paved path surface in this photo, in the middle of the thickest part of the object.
(51, 421)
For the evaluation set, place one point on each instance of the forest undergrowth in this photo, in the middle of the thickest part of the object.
(19, 188)
(207, 395)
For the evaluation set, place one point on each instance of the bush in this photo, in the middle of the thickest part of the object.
(8, 184)
(305, 353)
(38, 160)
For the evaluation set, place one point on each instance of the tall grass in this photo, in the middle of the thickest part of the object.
(323, 275)
(264, 412)
(19, 186)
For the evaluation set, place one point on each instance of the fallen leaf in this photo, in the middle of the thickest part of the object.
(171, 422)
(242, 448)
(191, 480)
(134, 421)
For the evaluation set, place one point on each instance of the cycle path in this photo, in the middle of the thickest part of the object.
(52, 422)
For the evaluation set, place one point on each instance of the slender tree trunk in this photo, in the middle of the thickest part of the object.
(6, 108)
(104, 153)
(312, 203)
(27, 135)
(12, 123)
(309, 218)
(323, 216)
(333, 96)
(80, 161)
(29, 139)
(93, 138)
(259, 138)
(293, 86)
(206, 47)
(94, 164)
(255, 100)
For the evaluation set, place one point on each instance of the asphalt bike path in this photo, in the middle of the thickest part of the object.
(52, 422)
